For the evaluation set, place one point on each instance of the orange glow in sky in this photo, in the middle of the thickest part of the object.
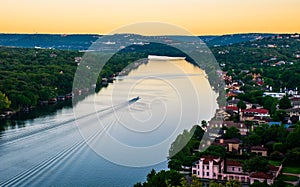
(200, 17)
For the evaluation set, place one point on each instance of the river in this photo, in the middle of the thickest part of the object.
(108, 139)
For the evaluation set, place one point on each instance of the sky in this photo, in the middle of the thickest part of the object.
(199, 17)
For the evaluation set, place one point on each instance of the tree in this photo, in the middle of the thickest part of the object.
(215, 150)
(196, 182)
(232, 132)
(184, 182)
(279, 146)
(293, 139)
(215, 184)
(241, 105)
(294, 155)
(285, 103)
(203, 124)
(270, 103)
(256, 164)
(259, 184)
(233, 183)
(279, 115)
(4, 101)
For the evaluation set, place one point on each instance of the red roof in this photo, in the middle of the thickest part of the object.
(234, 108)
(261, 175)
(233, 163)
(208, 159)
(258, 111)
(273, 168)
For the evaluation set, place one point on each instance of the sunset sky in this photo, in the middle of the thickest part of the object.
(200, 17)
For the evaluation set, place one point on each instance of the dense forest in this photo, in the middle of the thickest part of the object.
(32, 75)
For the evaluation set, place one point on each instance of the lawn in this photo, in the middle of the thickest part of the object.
(291, 169)
(289, 178)
(275, 163)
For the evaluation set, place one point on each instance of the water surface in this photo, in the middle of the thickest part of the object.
(105, 140)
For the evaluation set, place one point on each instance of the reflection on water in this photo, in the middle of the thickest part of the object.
(92, 143)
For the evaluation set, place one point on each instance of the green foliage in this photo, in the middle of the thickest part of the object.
(270, 104)
(232, 132)
(276, 155)
(293, 140)
(4, 101)
(256, 57)
(196, 182)
(162, 179)
(181, 150)
(285, 103)
(279, 147)
(233, 183)
(241, 105)
(256, 164)
(259, 184)
(289, 178)
(25, 73)
(215, 184)
(215, 150)
(294, 155)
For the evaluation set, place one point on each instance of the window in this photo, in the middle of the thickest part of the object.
(207, 167)
(232, 168)
(207, 173)
(215, 174)
(239, 169)
(194, 171)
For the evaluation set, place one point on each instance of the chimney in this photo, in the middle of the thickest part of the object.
(221, 140)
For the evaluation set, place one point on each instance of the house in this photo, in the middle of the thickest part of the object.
(231, 145)
(274, 94)
(222, 115)
(234, 103)
(261, 177)
(255, 112)
(232, 109)
(293, 112)
(259, 150)
(241, 126)
(215, 168)
(209, 167)
(220, 124)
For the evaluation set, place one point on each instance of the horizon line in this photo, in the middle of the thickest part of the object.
(224, 34)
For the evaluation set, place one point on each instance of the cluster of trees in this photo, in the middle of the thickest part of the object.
(256, 57)
(4, 101)
(29, 75)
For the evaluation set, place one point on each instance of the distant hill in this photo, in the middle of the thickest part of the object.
(73, 42)
(83, 41)
(232, 38)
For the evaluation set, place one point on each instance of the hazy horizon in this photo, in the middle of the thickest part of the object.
(199, 17)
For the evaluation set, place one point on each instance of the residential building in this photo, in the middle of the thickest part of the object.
(259, 150)
(215, 168)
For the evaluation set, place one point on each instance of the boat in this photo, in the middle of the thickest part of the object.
(134, 99)
(155, 57)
